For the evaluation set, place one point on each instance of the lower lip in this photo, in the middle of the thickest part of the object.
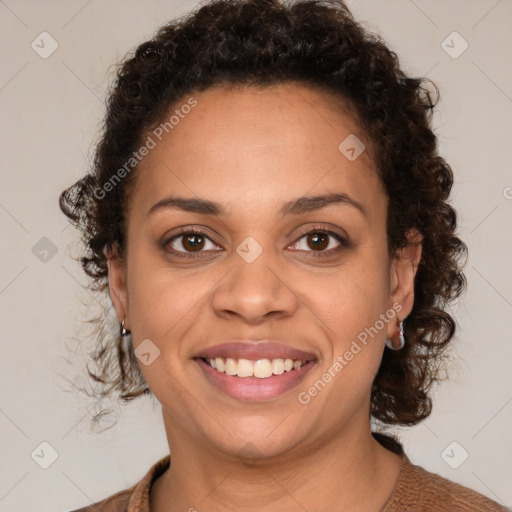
(254, 389)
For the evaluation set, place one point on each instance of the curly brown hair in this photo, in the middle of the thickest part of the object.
(259, 43)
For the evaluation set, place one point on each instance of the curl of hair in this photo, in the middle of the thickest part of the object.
(262, 43)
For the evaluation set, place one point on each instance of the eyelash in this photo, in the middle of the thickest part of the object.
(344, 243)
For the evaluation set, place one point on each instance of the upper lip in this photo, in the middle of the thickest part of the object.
(254, 350)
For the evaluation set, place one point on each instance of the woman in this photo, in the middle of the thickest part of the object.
(269, 214)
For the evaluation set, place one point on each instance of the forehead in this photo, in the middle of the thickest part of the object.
(246, 145)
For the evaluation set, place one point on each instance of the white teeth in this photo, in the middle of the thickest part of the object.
(277, 366)
(245, 368)
(261, 368)
(231, 366)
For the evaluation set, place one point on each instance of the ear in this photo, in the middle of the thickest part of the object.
(117, 282)
(402, 273)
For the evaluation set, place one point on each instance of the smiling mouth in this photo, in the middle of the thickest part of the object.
(260, 368)
(254, 371)
(254, 380)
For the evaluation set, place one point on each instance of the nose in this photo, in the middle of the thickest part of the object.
(255, 291)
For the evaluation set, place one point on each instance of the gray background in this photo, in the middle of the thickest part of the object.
(51, 111)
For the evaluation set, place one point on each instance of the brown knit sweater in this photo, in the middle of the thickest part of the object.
(416, 490)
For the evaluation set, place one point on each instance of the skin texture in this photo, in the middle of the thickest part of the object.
(251, 151)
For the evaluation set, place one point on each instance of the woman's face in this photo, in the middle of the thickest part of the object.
(248, 163)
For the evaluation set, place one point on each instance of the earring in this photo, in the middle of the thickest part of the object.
(401, 338)
(124, 332)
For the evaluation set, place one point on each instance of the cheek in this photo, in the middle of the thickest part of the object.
(352, 301)
(355, 308)
(162, 303)
(163, 307)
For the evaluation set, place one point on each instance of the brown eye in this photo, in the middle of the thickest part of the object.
(318, 241)
(322, 242)
(189, 243)
(193, 242)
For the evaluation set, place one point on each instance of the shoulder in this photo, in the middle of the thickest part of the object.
(118, 502)
(134, 498)
(419, 490)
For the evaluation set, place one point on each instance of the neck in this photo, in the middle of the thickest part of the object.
(350, 472)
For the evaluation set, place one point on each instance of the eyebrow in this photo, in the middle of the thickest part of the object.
(294, 207)
(314, 203)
